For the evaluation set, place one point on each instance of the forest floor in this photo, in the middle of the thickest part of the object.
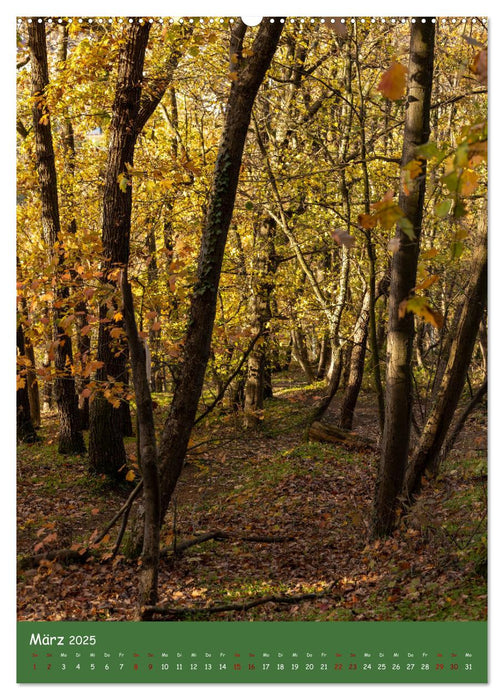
(312, 501)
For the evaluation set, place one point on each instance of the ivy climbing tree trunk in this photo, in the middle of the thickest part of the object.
(70, 440)
(398, 395)
(250, 72)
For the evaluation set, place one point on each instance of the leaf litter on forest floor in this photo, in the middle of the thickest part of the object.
(268, 482)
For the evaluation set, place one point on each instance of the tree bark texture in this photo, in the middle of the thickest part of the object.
(106, 448)
(70, 440)
(425, 457)
(178, 426)
(398, 396)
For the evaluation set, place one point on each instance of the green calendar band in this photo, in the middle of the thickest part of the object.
(252, 652)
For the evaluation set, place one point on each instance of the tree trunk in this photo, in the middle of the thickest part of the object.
(70, 440)
(356, 364)
(398, 399)
(260, 301)
(147, 452)
(425, 457)
(178, 426)
(106, 448)
(81, 309)
(24, 425)
(32, 385)
(300, 353)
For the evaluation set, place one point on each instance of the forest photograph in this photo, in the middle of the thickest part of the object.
(251, 319)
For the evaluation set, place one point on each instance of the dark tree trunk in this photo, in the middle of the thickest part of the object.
(425, 458)
(70, 440)
(107, 422)
(178, 426)
(356, 364)
(24, 425)
(398, 403)
(32, 385)
(81, 310)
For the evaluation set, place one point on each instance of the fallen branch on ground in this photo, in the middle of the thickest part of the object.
(181, 613)
(66, 555)
(220, 535)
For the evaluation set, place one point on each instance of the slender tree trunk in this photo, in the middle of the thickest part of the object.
(398, 404)
(147, 451)
(81, 310)
(260, 300)
(250, 74)
(425, 457)
(356, 364)
(300, 352)
(457, 428)
(70, 440)
(24, 425)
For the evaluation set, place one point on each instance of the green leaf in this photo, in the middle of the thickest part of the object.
(457, 248)
(429, 150)
(451, 181)
(249, 206)
(407, 227)
(443, 208)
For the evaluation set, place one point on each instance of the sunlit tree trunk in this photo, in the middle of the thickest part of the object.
(398, 397)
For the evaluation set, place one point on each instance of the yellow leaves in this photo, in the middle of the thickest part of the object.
(421, 307)
(393, 82)
(198, 592)
(123, 181)
(410, 172)
(233, 76)
(429, 254)
(130, 476)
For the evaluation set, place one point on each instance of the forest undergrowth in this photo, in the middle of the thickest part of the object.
(286, 519)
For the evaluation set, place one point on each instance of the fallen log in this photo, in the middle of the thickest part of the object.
(59, 555)
(323, 432)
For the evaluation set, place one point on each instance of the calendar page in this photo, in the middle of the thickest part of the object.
(251, 333)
